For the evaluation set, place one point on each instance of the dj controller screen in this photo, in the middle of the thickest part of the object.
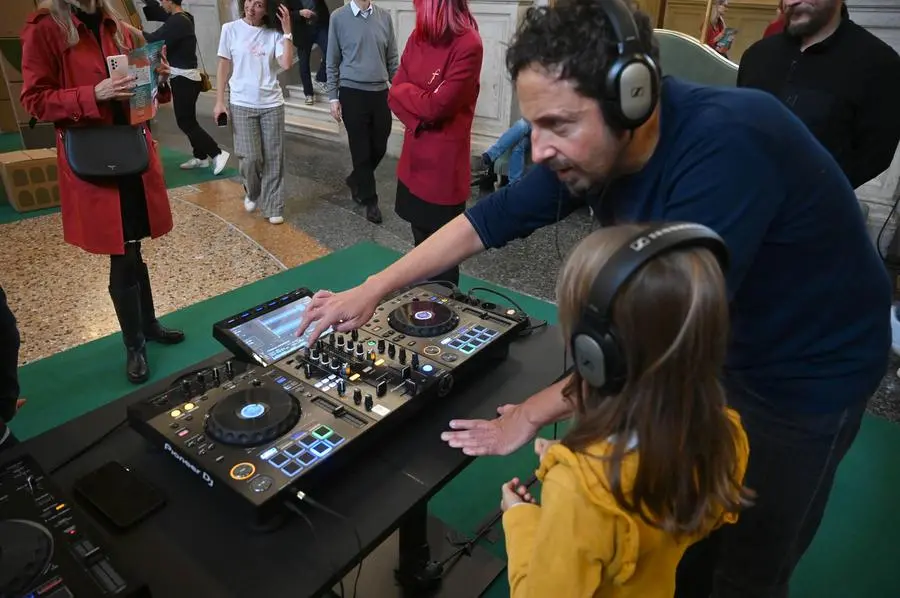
(272, 336)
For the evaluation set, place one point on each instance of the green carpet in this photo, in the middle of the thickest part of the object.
(171, 159)
(852, 557)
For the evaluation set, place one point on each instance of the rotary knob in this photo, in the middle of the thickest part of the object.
(357, 396)
(341, 387)
(349, 345)
(402, 356)
(354, 334)
(369, 403)
(392, 350)
(381, 345)
(360, 350)
(415, 361)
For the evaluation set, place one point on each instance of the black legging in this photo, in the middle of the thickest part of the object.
(184, 96)
(125, 270)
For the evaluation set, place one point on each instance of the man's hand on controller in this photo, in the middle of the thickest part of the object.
(344, 311)
(500, 436)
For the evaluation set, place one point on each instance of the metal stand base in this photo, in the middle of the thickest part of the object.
(409, 564)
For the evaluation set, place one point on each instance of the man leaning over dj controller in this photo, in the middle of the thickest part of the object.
(810, 297)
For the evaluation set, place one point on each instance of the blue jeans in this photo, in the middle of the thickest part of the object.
(517, 141)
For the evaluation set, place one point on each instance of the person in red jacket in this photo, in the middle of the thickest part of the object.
(776, 26)
(434, 95)
(66, 82)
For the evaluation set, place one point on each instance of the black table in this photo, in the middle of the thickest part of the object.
(197, 547)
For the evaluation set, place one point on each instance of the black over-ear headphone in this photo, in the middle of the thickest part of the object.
(631, 85)
(595, 347)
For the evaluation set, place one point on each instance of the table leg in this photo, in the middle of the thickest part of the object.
(416, 571)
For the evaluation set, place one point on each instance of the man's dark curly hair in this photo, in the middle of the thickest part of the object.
(574, 40)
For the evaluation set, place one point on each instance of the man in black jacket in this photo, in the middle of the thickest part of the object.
(309, 21)
(841, 80)
(9, 378)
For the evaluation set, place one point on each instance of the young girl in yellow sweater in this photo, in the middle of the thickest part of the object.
(654, 460)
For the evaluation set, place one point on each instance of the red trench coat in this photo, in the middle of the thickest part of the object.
(437, 85)
(58, 86)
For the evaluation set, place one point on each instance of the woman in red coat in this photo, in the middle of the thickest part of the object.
(66, 81)
(434, 95)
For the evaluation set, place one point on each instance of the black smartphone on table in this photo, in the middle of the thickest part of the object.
(119, 495)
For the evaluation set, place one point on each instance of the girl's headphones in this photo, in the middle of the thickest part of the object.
(631, 85)
(595, 346)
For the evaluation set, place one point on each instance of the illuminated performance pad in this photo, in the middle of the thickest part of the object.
(281, 413)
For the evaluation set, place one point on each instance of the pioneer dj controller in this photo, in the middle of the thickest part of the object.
(282, 413)
(46, 550)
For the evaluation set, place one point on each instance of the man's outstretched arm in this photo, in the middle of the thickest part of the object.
(516, 424)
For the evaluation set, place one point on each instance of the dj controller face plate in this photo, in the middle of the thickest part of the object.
(258, 430)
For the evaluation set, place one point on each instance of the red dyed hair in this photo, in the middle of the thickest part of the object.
(441, 20)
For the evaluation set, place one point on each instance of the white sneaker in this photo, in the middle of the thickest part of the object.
(195, 163)
(249, 205)
(219, 162)
(276, 220)
(310, 100)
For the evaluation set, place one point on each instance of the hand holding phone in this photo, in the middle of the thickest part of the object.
(117, 66)
(220, 114)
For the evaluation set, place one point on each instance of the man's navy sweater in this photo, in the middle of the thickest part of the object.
(810, 298)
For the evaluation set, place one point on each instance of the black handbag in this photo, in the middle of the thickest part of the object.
(106, 151)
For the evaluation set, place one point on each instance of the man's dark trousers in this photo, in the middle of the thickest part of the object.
(793, 460)
(368, 120)
(9, 363)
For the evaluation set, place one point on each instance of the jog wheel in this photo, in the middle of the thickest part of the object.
(252, 416)
(26, 548)
(423, 319)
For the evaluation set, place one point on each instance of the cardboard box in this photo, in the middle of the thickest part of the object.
(30, 179)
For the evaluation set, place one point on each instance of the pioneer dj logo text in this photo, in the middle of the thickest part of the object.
(642, 243)
(178, 457)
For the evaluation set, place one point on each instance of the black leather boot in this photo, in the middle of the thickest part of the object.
(127, 302)
(153, 330)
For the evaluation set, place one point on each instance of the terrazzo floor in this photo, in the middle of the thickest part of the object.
(216, 246)
(59, 293)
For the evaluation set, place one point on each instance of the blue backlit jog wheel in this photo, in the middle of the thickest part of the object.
(252, 416)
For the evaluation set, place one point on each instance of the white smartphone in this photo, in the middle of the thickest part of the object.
(118, 66)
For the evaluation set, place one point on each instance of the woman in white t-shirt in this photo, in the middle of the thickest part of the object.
(252, 52)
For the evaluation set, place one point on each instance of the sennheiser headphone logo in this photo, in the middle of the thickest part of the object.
(637, 92)
(643, 242)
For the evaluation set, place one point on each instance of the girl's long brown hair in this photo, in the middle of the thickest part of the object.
(671, 319)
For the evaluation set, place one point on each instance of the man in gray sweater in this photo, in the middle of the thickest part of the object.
(362, 60)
